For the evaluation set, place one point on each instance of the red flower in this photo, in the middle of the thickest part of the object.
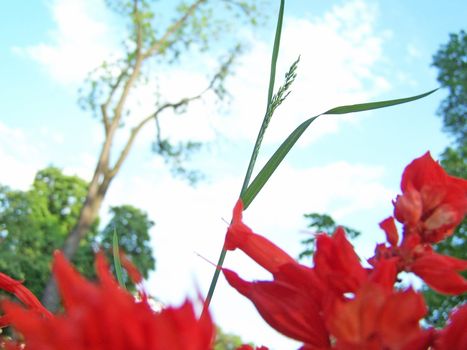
(104, 316)
(337, 264)
(440, 272)
(432, 203)
(454, 335)
(379, 319)
(16, 288)
(261, 250)
(287, 308)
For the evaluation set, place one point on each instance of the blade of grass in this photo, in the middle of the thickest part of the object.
(117, 263)
(267, 116)
(254, 155)
(272, 164)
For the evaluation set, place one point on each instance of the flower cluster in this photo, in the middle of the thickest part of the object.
(336, 304)
(102, 316)
(340, 304)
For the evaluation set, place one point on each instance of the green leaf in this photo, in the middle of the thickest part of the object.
(117, 263)
(272, 164)
(375, 105)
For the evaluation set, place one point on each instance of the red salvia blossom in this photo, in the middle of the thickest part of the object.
(313, 305)
(16, 288)
(339, 304)
(104, 316)
(454, 335)
(432, 203)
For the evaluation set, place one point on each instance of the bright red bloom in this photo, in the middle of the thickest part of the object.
(287, 308)
(432, 203)
(104, 316)
(454, 336)
(337, 264)
(379, 319)
(261, 250)
(337, 304)
(16, 288)
(440, 272)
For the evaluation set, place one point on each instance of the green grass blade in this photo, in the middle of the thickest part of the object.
(117, 263)
(375, 105)
(272, 79)
(259, 138)
(272, 164)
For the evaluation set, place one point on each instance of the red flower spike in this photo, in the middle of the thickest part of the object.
(433, 203)
(337, 264)
(377, 319)
(454, 335)
(389, 227)
(287, 309)
(401, 315)
(441, 272)
(384, 273)
(260, 249)
(103, 316)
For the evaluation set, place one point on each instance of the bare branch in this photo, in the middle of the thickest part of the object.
(134, 74)
(105, 105)
(172, 29)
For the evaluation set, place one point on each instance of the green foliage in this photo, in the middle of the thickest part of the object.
(322, 223)
(451, 61)
(34, 223)
(132, 227)
(226, 341)
(155, 40)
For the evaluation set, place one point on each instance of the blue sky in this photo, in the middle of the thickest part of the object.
(349, 166)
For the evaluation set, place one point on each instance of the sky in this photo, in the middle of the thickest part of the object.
(348, 166)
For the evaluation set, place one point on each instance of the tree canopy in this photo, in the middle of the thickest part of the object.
(35, 222)
(451, 62)
(157, 36)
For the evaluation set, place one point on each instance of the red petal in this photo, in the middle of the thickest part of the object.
(440, 272)
(285, 308)
(257, 247)
(389, 227)
(422, 171)
(337, 263)
(454, 336)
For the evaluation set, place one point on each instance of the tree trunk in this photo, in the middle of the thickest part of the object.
(89, 213)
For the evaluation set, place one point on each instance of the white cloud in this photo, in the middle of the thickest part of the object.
(19, 158)
(339, 52)
(80, 42)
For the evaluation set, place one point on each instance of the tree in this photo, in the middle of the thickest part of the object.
(107, 95)
(132, 227)
(321, 223)
(36, 222)
(451, 61)
(226, 341)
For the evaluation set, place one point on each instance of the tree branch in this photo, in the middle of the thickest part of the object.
(134, 74)
(105, 105)
(172, 29)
